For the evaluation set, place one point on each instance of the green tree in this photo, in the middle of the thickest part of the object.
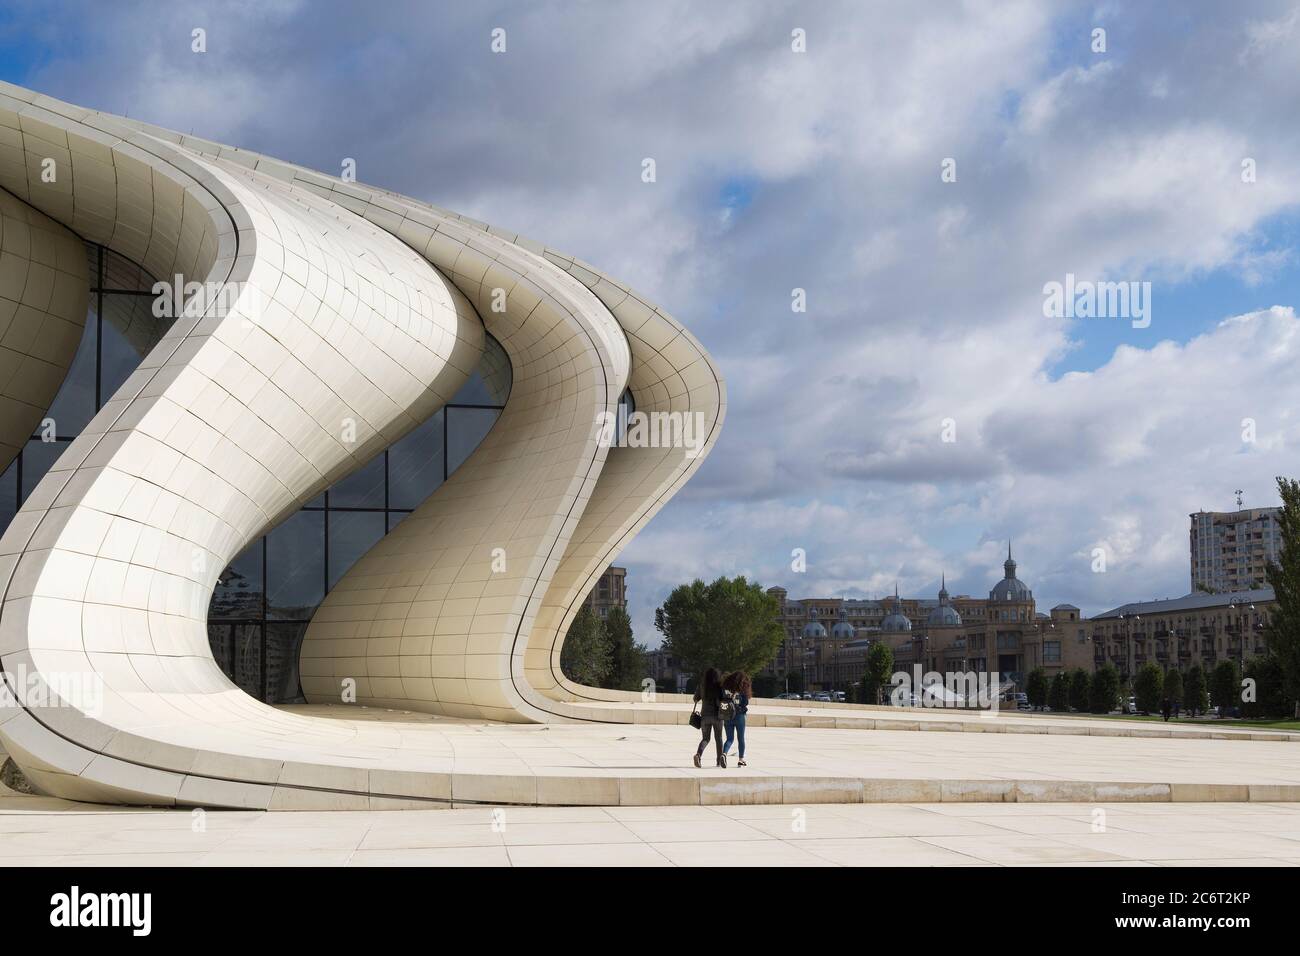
(1058, 698)
(1103, 689)
(731, 624)
(794, 681)
(1270, 695)
(1225, 687)
(1079, 684)
(627, 658)
(1148, 688)
(1036, 688)
(585, 657)
(1195, 700)
(880, 668)
(1174, 685)
(767, 685)
(1283, 632)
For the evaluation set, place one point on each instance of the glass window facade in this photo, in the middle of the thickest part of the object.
(265, 598)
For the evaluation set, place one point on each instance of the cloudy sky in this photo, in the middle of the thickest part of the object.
(821, 170)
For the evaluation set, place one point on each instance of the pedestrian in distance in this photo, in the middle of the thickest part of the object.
(716, 708)
(741, 688)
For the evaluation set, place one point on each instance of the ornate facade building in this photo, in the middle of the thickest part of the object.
(609, 592)
(827, 639)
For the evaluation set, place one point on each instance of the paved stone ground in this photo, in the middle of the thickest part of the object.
(38, 831)
(417, 760)
(609, 764)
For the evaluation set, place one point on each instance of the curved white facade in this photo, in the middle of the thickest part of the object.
(43, 298)
(333, 319)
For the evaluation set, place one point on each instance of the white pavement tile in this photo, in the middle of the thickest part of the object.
(622, 854)
(830, 834)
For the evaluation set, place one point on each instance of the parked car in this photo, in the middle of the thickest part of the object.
(822, 696)
(840, 697)
(1130, 706)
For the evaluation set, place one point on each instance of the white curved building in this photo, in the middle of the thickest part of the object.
(368, 435)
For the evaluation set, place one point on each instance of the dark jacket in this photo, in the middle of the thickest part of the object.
(709, 702)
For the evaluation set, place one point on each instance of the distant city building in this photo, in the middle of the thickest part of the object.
(610, 591)
(827, 639)
(1229, 549)
(1200, 628)
(665, 670)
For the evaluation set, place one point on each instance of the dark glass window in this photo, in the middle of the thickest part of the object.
(241, 587)
(129, 333)
(295, 557)
(246, 648)
(351, 534)
(364, 488)
(8, 494)
(74, 405)
(282, 643)
(466, 427)
(415, 464)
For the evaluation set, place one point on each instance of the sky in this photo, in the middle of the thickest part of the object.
(823, 170)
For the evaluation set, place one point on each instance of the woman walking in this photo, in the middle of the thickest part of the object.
(741, 688)
(710, 698)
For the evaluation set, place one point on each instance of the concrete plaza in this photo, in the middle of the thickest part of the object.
(815, 756)
(398, 760)
(36, 831)
(917, 789)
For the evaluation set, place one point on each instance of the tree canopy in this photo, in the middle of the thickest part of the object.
(880, 667)
(585, 656)
(730, 624)
(1283, 634)
(1149, 688)
(627, 658)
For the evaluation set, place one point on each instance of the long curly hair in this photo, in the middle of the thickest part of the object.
(738, 682)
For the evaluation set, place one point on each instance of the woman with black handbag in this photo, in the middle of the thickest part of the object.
(713, 701)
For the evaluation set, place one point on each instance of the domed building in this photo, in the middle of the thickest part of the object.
(896, 622)
(1010, 588)
(827, 639)
(842, 629)
(944, 615)
(814, 629)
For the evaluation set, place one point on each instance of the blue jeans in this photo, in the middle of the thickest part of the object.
(735, 730)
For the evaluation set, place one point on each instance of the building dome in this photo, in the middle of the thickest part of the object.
(814, 629)
(844, 630)
(1010, 588)
(896, 621)
(945, 615)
